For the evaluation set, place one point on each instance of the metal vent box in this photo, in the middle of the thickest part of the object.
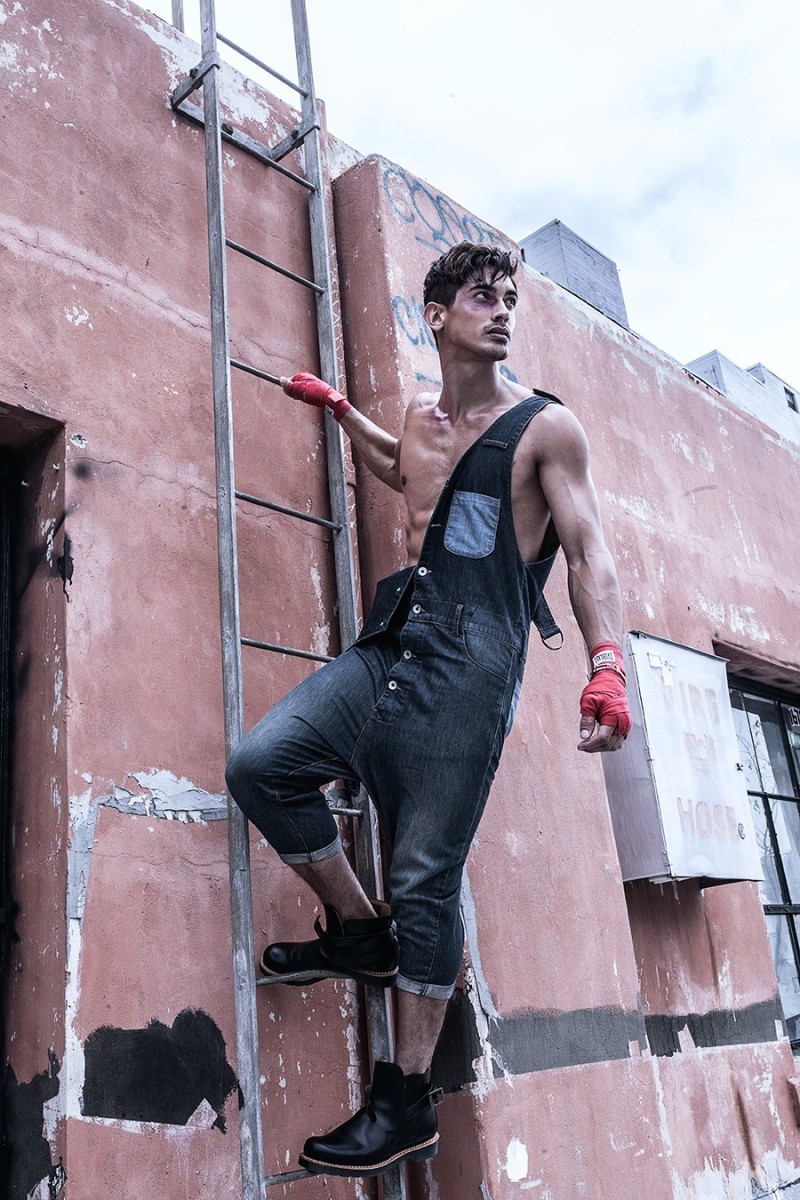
(677, 791)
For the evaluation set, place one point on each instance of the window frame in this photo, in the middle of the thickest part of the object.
(790, 907)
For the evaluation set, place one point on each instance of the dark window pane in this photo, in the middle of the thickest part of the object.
(766, 754)
(791, 718)
(786, 821)
(744, 737)
(786, 971)
(769, 887)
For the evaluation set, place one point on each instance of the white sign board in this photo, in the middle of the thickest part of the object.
(677, 791)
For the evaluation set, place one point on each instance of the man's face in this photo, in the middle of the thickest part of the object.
(482, 316)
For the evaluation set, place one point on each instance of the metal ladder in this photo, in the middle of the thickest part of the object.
(307, 134)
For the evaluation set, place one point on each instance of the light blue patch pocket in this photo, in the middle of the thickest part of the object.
(472, 524)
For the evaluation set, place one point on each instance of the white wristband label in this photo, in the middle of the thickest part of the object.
(605, 658)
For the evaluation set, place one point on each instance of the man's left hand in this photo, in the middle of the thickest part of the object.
(605, 715)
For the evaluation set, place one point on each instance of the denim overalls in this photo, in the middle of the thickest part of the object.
(417, 709)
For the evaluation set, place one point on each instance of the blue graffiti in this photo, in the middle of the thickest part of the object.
(439, 224)
(409, 315)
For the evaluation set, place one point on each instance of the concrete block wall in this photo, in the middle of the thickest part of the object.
(594, 1047)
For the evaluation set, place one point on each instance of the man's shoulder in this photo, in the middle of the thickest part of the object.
(556, 432)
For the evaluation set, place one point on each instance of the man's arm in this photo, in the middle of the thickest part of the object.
(378, 449)
(566, 481)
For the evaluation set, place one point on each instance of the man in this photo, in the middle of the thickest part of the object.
(417, 710)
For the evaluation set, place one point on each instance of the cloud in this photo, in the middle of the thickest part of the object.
(665, 136)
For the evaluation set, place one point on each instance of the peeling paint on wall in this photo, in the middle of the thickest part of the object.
(164, 795)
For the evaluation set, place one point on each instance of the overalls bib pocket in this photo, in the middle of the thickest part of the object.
(472, 524)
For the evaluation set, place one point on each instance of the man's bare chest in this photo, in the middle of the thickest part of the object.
(427, 461)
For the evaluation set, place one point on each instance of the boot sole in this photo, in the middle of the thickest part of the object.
(383, 979)
(418, 1153)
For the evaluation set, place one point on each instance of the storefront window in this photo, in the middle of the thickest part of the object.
(768, 731)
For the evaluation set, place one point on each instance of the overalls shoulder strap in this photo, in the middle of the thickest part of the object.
(504, 434)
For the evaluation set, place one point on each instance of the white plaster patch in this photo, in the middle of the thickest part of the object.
(742, 619)
(74, 1068)
(772, 1174)
(516, 1164)
(637, 506)
(681, 446)
(714, 609)
(321, 633)
(78, 316)
(12, 13)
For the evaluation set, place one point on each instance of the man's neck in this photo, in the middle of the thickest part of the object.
(472, 387)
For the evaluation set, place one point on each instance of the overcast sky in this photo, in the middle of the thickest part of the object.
(667, 136)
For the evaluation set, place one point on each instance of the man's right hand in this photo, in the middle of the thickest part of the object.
(314, 391)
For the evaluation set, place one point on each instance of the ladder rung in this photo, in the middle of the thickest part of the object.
(240, 366)
(273, 266)
(289, 512)
(345, 812)
(285, 650)
(300, 977)
(270, 70)
(195, 113)
(286, 1177)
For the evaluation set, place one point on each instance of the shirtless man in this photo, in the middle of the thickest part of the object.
(493, 478)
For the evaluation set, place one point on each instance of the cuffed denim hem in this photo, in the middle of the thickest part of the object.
(434, 991)
(312, 856)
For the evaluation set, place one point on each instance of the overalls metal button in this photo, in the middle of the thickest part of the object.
(407, 654)
(392, 685)
(422, 571)
(416, 608)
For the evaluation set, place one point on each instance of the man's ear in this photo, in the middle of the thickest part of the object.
(434, 315)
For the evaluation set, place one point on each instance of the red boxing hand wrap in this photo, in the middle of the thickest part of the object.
(310, 390)
(604, 698)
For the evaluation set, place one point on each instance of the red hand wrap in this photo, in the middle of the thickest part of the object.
(604, 696)
(310, 390)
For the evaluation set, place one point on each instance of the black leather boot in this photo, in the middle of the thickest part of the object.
(390, 1128)
(365, 950)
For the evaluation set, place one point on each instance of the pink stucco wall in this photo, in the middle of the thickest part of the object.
(121, 850)
(703, 561)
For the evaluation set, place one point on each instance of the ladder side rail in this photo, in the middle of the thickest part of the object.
(326, 329)
(379, 1016)
(247, 1059)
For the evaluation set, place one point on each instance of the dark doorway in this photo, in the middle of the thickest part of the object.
(26, 443)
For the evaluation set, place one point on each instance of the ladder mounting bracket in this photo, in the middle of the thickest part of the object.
(295, 139)
(195, 77)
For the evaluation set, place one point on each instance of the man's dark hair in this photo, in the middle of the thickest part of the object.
(463, 262)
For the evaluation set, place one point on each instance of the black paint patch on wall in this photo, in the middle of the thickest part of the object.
(157, 1073)
(539, 1041)
(26, 1158)
(458, 1045)
(542, 1041)
(721, 1027)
